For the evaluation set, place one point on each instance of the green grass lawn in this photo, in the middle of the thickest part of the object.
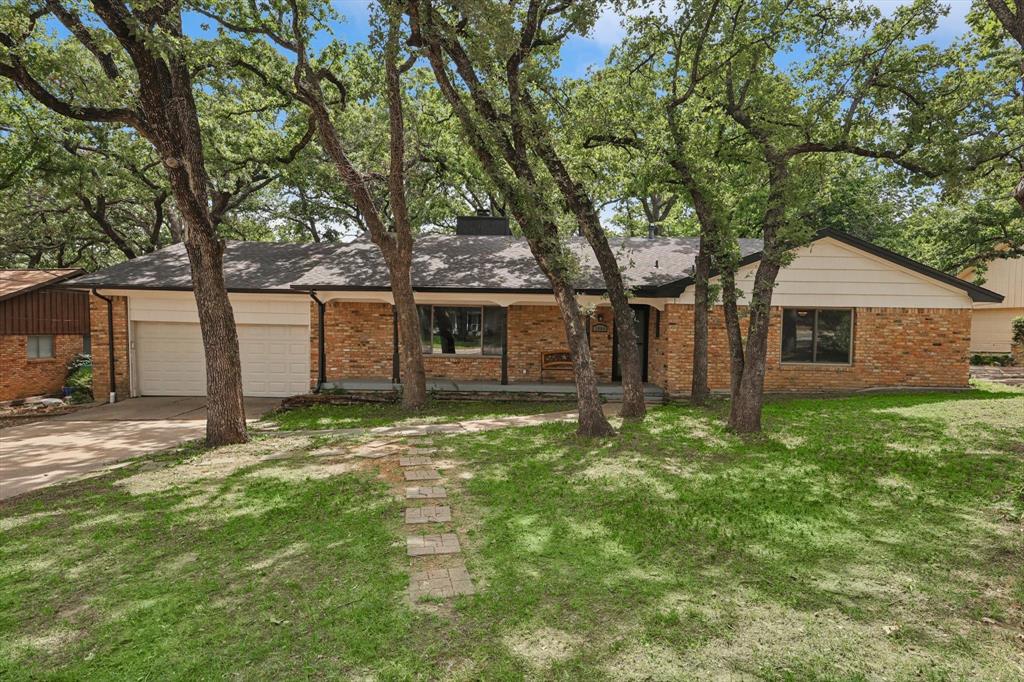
(872, 537)
(368, 415)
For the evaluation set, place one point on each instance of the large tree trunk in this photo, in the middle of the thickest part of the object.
(167, 117)
(582, 206)
(410, 351)
(179, 141)
(748, 398)
(225, 410)
(730, 309)
(395, 247)
(699, 388)
(592, 422)
(745, 412)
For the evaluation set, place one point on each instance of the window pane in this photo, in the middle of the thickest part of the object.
(87, 345)
(424, 311)
(40, 346)
(494, 330)
(797, 335)
(835, 329)
(457, 331)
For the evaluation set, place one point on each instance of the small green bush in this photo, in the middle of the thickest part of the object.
(79, 378)
(1017, 325)
(992, 360)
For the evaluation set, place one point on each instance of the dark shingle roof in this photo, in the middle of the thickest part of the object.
(248, 266)
(456, 262)
(651, 267)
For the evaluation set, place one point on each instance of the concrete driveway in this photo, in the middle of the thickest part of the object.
(42, 453)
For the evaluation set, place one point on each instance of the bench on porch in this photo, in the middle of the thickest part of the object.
(559, 360)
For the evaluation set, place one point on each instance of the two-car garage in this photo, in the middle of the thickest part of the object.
(167, 348)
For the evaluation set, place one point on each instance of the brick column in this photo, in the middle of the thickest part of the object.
(100, 348)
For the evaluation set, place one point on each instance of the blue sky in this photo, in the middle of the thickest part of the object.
(582, 52)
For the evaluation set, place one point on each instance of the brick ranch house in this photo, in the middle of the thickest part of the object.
(41, 329)
(848, 315)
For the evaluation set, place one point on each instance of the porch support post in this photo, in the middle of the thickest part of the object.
(504, 349)
(395, 375)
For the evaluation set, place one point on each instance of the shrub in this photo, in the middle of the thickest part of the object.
(991, 359)
(79, 378)
(1017, 325)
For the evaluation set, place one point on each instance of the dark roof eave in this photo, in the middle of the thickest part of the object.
(144, 287)
(637, 292)
(976, 293)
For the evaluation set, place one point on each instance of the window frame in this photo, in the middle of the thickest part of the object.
(483, 317)
(813, 362)
(28, 347)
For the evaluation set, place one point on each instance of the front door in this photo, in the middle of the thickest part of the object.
(640, 320)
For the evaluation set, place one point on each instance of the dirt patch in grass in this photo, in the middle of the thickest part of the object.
(213, 464)
(644, 661)
(542, 647)
(623, 472)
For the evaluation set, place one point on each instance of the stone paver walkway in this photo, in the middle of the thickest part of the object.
(442, 582)
(413, 461)
(426, 545)
(425, 493)
(428, 514)
(421, 474)
(1009, 376)
(451, 578)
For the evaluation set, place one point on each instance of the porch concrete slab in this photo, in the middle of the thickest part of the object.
(429, 545)
(421, 474)
(432, 514)
(430, 492)
(652, 392)
(416, 461)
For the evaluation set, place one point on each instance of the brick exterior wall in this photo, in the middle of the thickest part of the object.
(359, 345)
(892, 348)
(478, 368)
(100, 352)
(358, 340)
(22, 377)
(535, 329)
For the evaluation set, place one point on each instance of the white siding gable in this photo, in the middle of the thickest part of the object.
(828, 273)
(1004, 276)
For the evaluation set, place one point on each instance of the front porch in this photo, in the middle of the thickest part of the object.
(492, 390)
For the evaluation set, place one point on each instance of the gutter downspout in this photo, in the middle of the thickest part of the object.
(110, 341)
(321, 357)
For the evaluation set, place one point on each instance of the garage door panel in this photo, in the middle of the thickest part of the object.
(170, 361)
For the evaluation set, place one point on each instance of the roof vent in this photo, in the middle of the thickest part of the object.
(483, 223)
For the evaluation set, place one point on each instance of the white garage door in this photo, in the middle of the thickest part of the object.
(169, 359)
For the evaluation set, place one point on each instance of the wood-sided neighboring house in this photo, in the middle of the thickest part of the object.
(847, 316)
(42, 328)
(990, 324)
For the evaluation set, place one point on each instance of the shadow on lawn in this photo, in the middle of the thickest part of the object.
(676, 547)
(199, 579)
(878, 513)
